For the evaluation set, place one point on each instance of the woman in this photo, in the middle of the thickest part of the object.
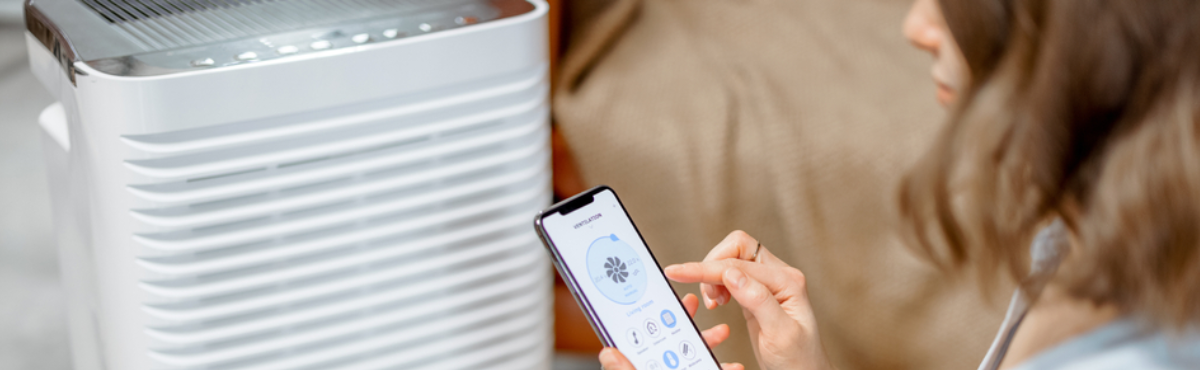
(1080, 119)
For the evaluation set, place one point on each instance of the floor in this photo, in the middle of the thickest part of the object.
(33, 332)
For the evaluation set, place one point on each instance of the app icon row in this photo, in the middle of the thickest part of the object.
(651, 328)
(671, 360)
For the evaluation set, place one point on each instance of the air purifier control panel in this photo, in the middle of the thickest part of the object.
(176, 36)
(342, 38)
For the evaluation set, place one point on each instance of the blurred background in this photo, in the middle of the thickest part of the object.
(790, 119)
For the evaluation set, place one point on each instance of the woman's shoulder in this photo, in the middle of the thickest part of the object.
(1122, 344)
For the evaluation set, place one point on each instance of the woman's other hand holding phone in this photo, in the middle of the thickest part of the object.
(783, 330)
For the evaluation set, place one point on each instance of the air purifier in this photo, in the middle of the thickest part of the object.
(298, 184)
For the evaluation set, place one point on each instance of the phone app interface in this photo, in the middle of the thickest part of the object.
(628, 293)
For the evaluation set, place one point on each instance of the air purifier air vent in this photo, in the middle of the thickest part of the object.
(270, 240)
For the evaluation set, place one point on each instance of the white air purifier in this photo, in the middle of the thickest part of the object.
(299, 184)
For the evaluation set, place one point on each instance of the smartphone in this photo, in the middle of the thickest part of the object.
(619, 285)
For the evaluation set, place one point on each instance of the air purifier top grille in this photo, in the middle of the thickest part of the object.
(158, 37)
(120, 11)
(252, 17)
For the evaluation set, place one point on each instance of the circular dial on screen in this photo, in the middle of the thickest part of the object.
(616, 270)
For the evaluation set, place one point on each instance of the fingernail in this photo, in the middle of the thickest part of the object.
(708, 303)
(735, 277)
(723, 299)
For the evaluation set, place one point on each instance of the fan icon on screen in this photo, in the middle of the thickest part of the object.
(616, 269)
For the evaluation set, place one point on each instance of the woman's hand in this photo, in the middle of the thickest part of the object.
(612, 359)
(783, 330)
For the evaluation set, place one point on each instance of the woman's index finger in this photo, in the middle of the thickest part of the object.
(737, 245)
(775, 278)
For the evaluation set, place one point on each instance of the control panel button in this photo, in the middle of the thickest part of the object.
(206, 62)
(287, 50)
(249, 55)
(361, 38)
(425, 27)
(391, 33)
(320, 45)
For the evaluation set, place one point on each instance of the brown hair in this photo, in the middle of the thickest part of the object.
(1085, 110)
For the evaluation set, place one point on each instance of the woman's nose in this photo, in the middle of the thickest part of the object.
(921, 26)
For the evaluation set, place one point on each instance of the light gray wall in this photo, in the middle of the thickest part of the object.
(10, 11)
(33, 332)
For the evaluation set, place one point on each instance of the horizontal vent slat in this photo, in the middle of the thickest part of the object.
(524, 342)
(271, 230)
(297, 150)
(232, 135)
(498, 288)
(280, 299)
(326, 352)
(432, 352)
(519, 329)
(451, 322)
(236, 285)
(185, 193)
(185, 217)
(307, 247)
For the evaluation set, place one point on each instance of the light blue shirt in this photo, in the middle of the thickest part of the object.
(1121, 344)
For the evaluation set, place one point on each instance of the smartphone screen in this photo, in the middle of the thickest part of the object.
(619, 285)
